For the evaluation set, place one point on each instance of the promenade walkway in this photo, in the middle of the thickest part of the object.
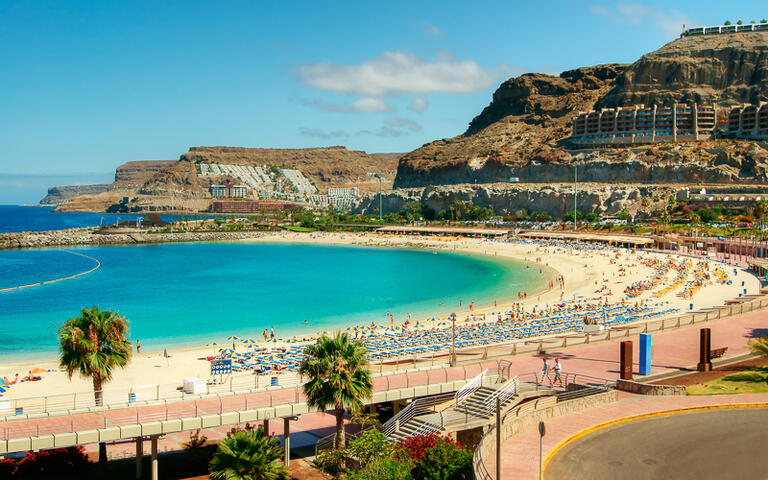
(672, 350)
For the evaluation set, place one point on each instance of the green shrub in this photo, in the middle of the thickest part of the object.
(446, 460)
(387, 468)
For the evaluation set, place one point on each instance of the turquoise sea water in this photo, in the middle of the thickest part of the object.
(190, 294)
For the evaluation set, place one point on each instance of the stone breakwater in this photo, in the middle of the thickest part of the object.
(89, 236)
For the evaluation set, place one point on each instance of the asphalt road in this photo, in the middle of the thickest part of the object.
(713, 444)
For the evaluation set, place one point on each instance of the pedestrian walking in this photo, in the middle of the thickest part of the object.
(558, 368)
(544, 370)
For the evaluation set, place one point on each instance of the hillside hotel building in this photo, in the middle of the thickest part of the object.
(639, 124)
(749, 121)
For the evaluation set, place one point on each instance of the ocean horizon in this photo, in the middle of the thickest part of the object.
(35, 218)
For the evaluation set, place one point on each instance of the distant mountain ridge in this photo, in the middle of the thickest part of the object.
(175, 185)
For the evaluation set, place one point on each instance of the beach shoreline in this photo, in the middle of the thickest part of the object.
(582, 271)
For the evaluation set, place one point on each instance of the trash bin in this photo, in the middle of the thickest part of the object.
(273, 381)
(131, 397)
(19, 410)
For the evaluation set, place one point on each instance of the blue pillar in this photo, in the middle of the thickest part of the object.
(645, 354)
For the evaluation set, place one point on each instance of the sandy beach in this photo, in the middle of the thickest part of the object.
(597, 275)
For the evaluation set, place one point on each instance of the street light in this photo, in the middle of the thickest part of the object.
(453, 339)
(378, 175)
(574, 197)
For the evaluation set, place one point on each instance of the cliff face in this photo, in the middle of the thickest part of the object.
(325, 167)
(516, 134)
(175, 186)
(724, 69)
(134, 174)
(59, 195)
(506, 198)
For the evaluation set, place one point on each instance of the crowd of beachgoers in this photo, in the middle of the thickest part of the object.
(585, 285)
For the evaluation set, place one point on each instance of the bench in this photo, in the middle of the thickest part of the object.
(718, 352)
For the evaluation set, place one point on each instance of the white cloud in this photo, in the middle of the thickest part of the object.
(394, 127)
(324, 134)
(669, 22)
(365, 104)
(394, 72)
(418, 104)
(405, 123)
(431, 30)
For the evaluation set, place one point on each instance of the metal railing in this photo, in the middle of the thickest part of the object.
(418, 406)
(480, 469)
(127, 397)
(503, 394)
(470, 388)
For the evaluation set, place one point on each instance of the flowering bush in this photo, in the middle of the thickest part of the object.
(7, 468)
(415, 447)
(56, 463)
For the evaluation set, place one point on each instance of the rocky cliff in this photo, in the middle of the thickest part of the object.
(723, 69)
(61, 194)
(132, 175)
(325, 167)
(517, 134)
(174, 186)
(506, 198)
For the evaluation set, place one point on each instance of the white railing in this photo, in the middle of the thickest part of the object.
(471, 387)
(502, 394)
(414, 408)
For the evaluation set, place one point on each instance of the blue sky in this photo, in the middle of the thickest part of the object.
(85, 86)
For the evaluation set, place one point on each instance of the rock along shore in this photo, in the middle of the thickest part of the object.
(90, 236)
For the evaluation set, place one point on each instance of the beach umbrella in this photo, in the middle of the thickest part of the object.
(249, 341)
(4, 388)
(39, 370)
(212, 344)
(226, 351)
(233, 337)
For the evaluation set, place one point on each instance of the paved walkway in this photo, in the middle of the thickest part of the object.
(672, 350)
(520, 454)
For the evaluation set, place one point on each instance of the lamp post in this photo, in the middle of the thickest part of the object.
(453, 339)
(378, 175)
(574, 197)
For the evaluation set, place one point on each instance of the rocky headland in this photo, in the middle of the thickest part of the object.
(61, 194)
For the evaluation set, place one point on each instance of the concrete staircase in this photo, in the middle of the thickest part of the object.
(475, 406)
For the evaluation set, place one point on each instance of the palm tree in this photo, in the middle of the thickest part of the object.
(338, 376)
(248, 455)
(759, 346)
(93, 344)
